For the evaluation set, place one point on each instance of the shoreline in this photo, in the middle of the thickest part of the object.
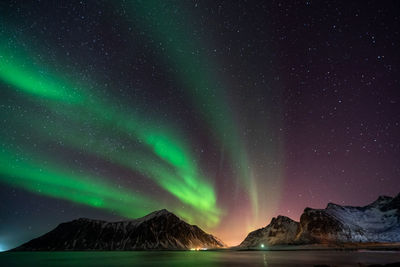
(395, 247)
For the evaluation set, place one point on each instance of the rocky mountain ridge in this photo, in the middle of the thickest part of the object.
(156, 231)
(376, 222)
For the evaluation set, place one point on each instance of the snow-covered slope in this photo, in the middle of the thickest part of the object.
(377, 222)
(158, 230)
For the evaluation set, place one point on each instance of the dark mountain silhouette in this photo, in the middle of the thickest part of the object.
(156, 231)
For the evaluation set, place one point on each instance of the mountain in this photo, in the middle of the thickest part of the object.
(156, 231)
(376, 222)
(281, 230)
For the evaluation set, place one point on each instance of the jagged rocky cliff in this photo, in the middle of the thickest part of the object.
(281, 230)
(376, 222)
(158, 230)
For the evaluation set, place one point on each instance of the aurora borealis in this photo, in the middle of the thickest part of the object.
(182, 182)
(225, 113)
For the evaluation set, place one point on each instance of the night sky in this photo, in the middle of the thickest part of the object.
(226, 113)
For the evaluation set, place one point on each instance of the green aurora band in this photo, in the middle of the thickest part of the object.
(193, 70)
(188, 190)
(78, 188)
(62, 96)
(28, 77)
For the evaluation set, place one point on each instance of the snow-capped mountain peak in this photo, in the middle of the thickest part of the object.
(376, 222)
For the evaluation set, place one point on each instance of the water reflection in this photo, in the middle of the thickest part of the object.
(265, 259)
(199, 258)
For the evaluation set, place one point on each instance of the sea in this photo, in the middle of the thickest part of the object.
(200, 258)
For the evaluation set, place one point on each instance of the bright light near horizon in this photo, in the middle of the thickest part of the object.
(197, 249)
(262, 245)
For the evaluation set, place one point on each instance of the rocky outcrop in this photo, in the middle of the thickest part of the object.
(281, 230)
(156, 231)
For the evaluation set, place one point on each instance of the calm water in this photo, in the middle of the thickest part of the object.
(198, 258)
